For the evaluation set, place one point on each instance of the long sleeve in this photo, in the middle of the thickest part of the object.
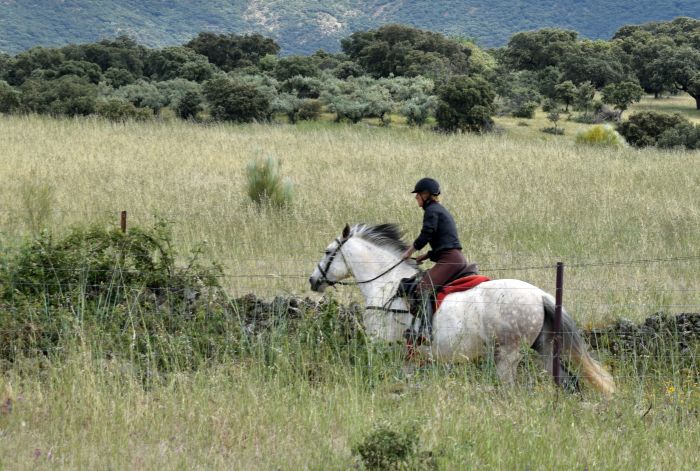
(430, 224)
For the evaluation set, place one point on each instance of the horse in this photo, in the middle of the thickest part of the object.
(496, 317)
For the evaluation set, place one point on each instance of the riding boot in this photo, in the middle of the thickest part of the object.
(422, 307)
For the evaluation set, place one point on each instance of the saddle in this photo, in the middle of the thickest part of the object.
(423, 310)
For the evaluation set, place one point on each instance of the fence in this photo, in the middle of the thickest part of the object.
(685, 300)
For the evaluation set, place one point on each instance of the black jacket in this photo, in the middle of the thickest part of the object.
(439, 230)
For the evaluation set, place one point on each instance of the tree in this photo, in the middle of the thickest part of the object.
(68, 95)
(535, 50)
(465, 104)
(621, 95)
(189, 106)
(121, 53)
(81, 69)
(599, 62)
(644, 129)
(231, 51)
(36, 58)
(403, 50)
(681, 67)
(143, 94)
(9, 98)
(115, 77)
(294, 66)
(566, 93)
(583, 98)
(177, 62)
(233, 100)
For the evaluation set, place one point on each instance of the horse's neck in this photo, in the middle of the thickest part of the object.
(368, 261)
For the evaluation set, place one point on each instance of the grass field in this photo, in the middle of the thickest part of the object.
(522, 200)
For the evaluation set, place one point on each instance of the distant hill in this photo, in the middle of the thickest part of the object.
(303, 26)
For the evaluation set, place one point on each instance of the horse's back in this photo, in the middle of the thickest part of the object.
(468, 321)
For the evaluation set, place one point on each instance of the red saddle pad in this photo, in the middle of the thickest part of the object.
(460, 284)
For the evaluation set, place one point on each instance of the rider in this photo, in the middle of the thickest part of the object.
(440, 231)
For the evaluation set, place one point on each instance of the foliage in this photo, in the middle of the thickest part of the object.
(177, 62)
(621, 95)
(466, 104)
(265, 185)
(683, 135)
(309, 110)
(397, 50)
(121, 110)
(601, 135)
(303, 87)
(233, 51)
(293, 66)
(644, 129)
(234, 100)
(68, 95)
(116, 77)
(9, 98)
(143, 94)
(189, 106)
(535, 50)
(566, 93)
(387, 449)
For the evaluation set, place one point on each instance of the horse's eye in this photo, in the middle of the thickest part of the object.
(327, 252)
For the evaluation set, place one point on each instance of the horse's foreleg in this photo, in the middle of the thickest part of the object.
(507, 360)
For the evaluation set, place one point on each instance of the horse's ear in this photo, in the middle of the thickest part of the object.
(346, 231)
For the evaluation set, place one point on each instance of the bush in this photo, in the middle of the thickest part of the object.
(644, 129)
(466, 104)
(309, 110)
(600, 135)
(684, 135)
(9, 98)
(265, 185)
(233, 100)
(143, 94)
(68, 95)
(525, 110)
(553, 130)
(189, 105)
(387, 449)
(120, 110)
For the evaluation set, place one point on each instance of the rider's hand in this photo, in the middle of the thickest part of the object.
(420, 259)
(407, 254)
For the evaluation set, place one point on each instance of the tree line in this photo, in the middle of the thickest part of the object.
(419, 74)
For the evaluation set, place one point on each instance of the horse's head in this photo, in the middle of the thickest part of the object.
(333, 267)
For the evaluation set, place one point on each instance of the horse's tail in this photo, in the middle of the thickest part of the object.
(574, 347)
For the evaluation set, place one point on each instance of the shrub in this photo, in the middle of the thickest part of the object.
(9, 98)
(466, 104)
(265, 185)
(621, 95)
(120, 110)
(68, 95)
(600, 135)
(550, 105)
(309, 110)
(684, 135)
(553, 130)
(643, 129)
(189, 105)
(233, 100)
(525, 110)
(143, 95)
(387, 449)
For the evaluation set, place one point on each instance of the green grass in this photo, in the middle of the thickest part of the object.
(519, 202)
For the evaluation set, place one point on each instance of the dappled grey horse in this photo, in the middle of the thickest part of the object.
(498, 316)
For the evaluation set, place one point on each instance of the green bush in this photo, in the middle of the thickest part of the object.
(9, 98)
(388, 449)
(644, 129)
(233, 100)
(120, 110)
(602, 135)
(525, 110)
(189, 106)
(265, 185)
(309, 110)
(684, 135)
(68, 95)
(466, 104)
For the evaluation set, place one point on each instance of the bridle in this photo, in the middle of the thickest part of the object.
(332, 257)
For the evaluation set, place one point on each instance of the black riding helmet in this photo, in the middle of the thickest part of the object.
(427, 184)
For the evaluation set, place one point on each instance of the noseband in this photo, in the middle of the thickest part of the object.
(331, 258)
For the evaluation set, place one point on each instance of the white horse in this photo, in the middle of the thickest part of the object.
(497, 316)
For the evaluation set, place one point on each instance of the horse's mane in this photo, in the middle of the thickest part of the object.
(383, 235)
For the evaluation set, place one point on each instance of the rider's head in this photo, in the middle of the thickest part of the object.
(426, 189)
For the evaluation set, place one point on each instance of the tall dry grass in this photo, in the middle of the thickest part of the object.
(518, 202)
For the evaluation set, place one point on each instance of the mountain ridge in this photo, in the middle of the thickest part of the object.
(303, 26)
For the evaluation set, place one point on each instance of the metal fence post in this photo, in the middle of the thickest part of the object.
(123, 222)
(556, 351)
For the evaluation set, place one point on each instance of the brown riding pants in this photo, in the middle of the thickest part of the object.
(449, 264)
